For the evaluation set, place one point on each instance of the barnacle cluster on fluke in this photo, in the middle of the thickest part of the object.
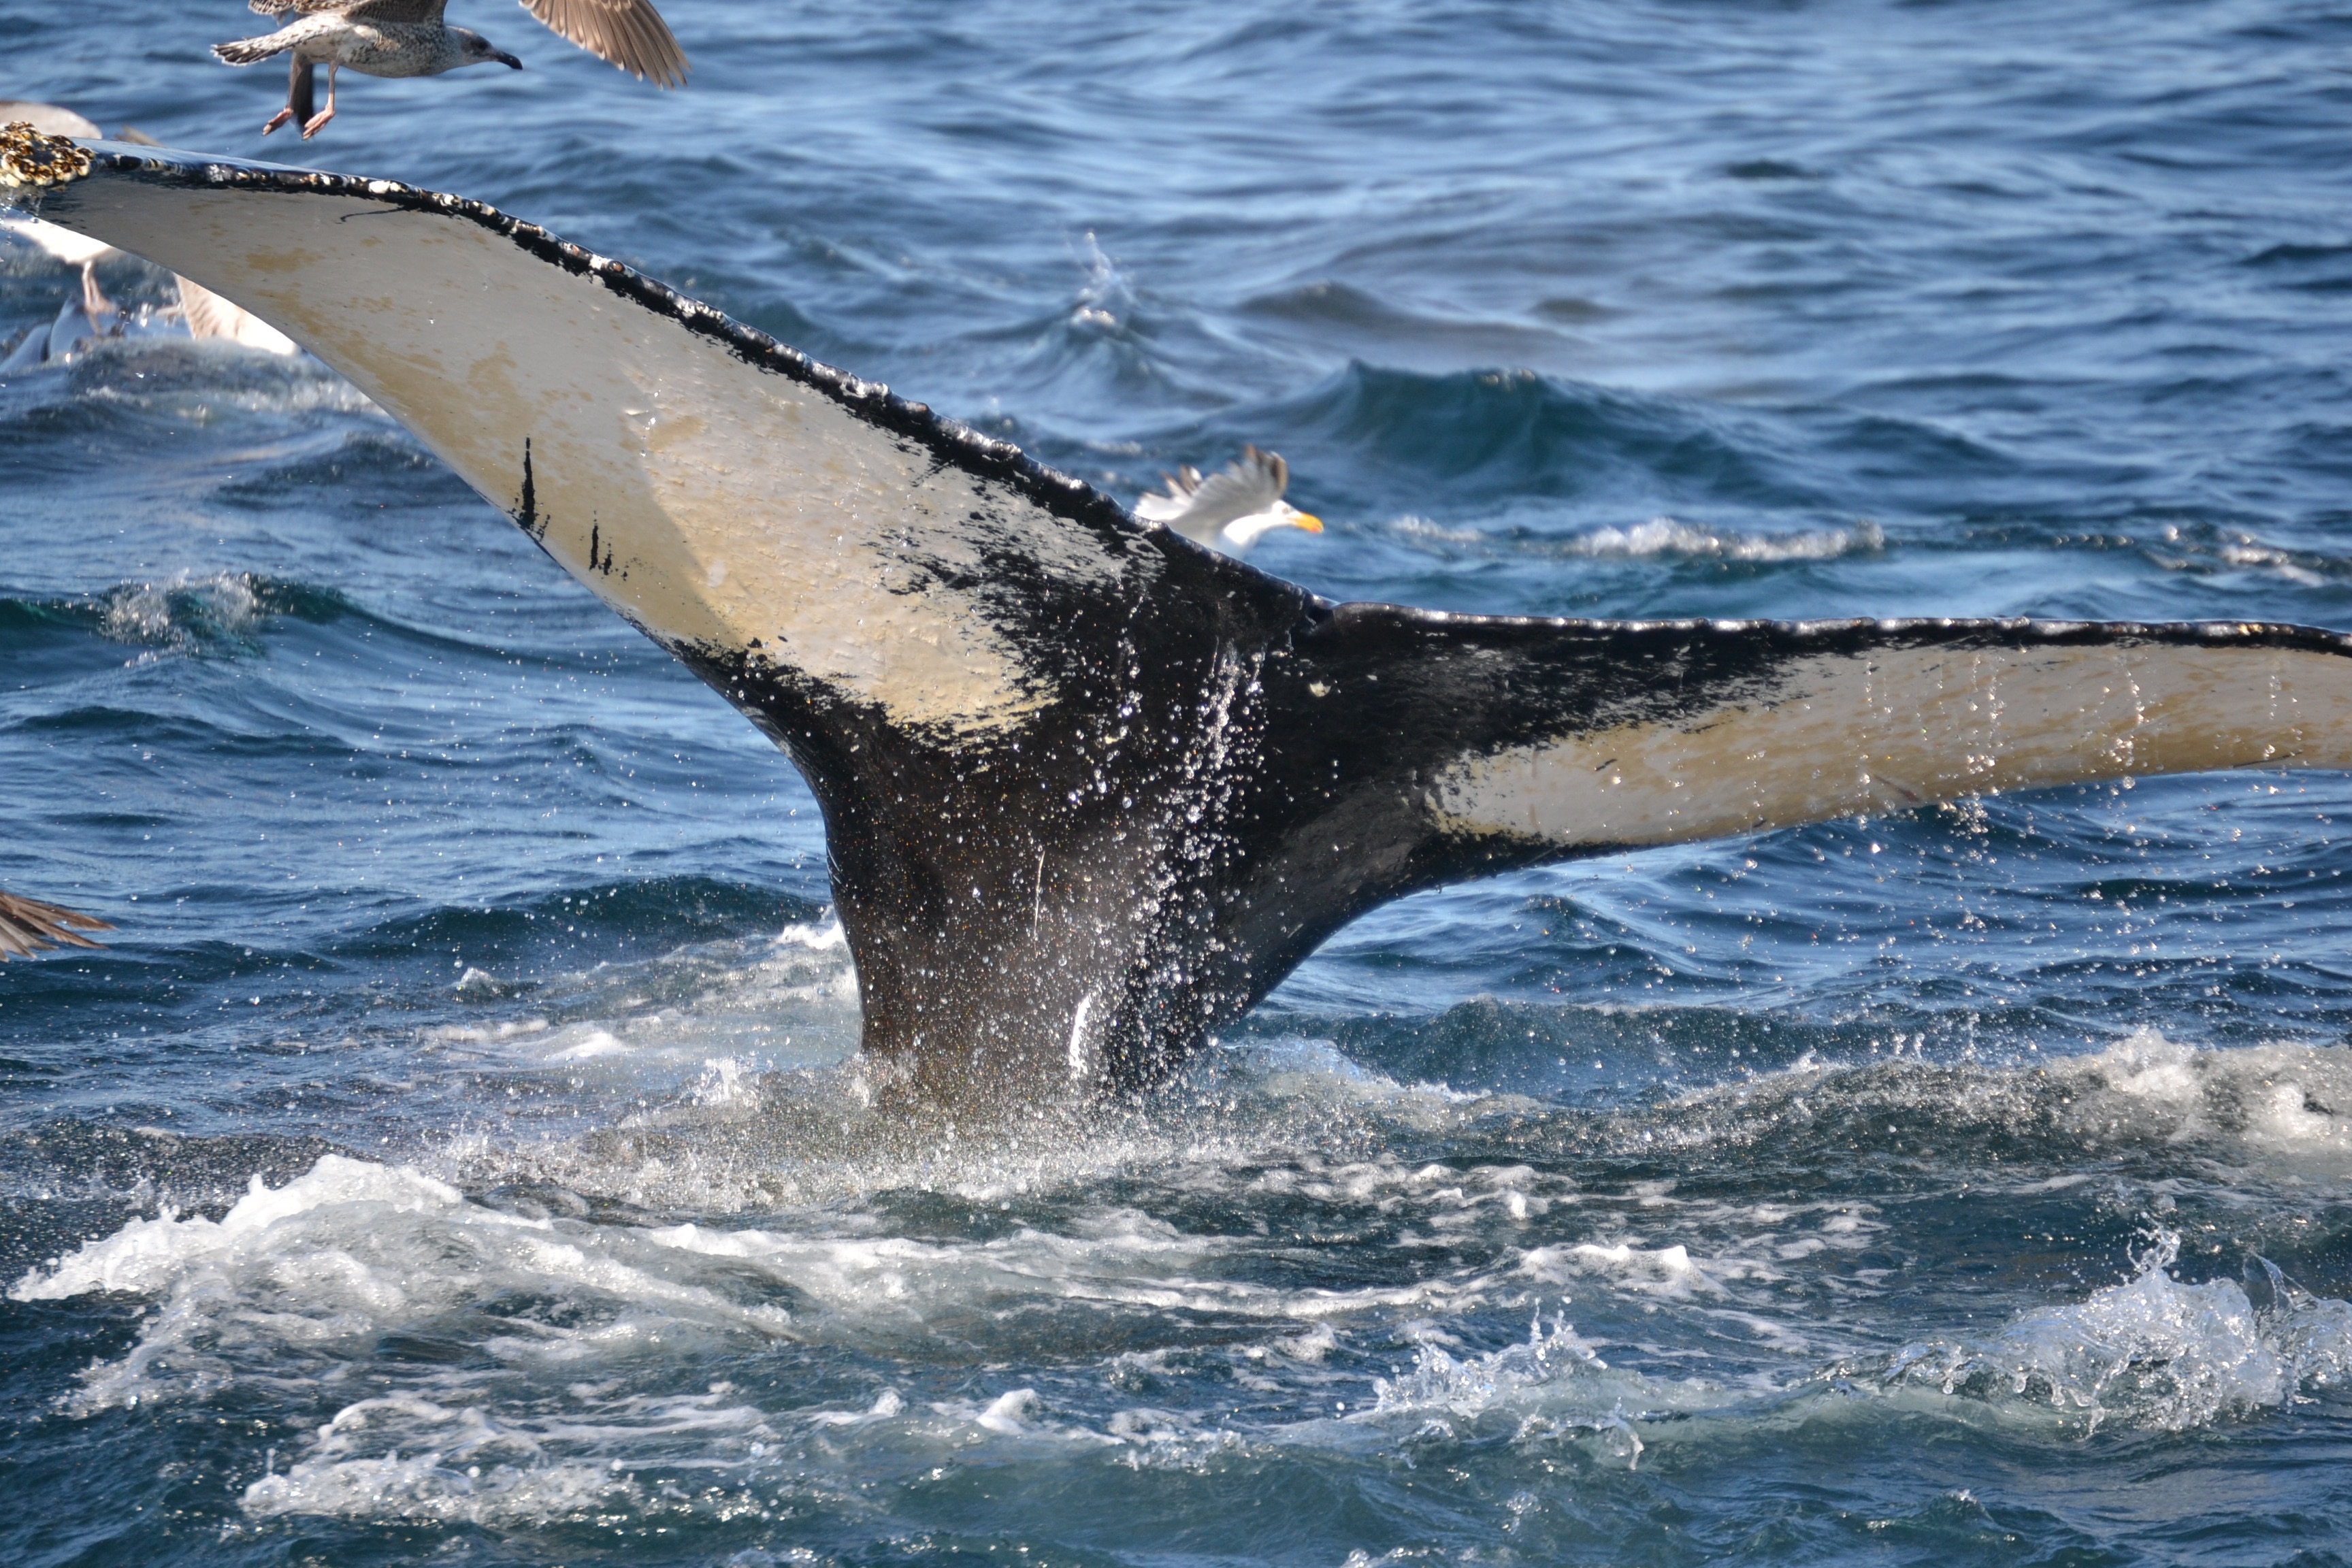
(27, 157)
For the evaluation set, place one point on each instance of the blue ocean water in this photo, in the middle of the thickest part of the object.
(452, 1154)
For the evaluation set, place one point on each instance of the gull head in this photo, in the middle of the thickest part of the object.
(1230, 510)
(477, 50)
(1245, 531)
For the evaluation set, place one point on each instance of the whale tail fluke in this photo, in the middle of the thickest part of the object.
(1089, 789)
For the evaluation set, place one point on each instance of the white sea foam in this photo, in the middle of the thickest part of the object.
(1551, 1386)
(1661, 537)
(2282, 1107)
(586, 1043)
(706, 1019)
(297, 1285)
(483, 1033)
(149, 1256)
(308, 1270)
(184, 613)
(2152, 1352)
(433, 1486)
(1658, 1271)
(2291, 1104)
(820, 936)
(407, 1458)
(1118, 1259)
(1668, 536)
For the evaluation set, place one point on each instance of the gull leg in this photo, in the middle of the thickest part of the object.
(94, 302)
(318, 122)
(299, 76)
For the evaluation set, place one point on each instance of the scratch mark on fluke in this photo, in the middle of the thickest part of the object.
(1191, 774)
(526, 511)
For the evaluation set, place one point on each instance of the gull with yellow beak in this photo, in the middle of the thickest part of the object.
(1231, 510)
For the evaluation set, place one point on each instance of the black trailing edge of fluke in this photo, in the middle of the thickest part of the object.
(1091, 790)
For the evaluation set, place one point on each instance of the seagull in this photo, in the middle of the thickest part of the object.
(408, 37)
(28, 925)
(1231, 510)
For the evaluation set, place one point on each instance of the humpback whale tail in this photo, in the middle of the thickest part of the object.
(1090, 788)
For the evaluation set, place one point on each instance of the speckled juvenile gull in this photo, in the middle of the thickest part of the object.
(408, 37)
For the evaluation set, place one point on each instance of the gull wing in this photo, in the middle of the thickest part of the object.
(629, 33)
(1091, 790)
(1241, 488)
(411, 12)
(390, 11)
(27, 926)
(1166, 507)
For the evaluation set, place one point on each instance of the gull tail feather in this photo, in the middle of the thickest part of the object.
(1090, 789)
(253, 51)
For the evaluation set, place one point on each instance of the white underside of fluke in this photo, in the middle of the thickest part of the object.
(1894, 728)
(708, 500)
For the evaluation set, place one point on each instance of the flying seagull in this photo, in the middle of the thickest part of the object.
(28, 925)
(1231, 510)
(408, 37)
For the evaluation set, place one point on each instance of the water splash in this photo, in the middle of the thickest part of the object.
(2153, 1352)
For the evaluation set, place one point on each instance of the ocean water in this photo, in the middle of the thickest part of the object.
(455, 1154)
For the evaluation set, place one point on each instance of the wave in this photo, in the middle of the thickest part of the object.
(147, 381)
(1666, 536)
(523, 1395)
(2214, 550)
(349, 1249)
(214, 614)
(2281, 1112)
(1384, 437)
(1374, 440)
(368, 464)
(1554, 1387)
(1660, 537)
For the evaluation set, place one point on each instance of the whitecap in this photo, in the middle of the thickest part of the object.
(1669, 536)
